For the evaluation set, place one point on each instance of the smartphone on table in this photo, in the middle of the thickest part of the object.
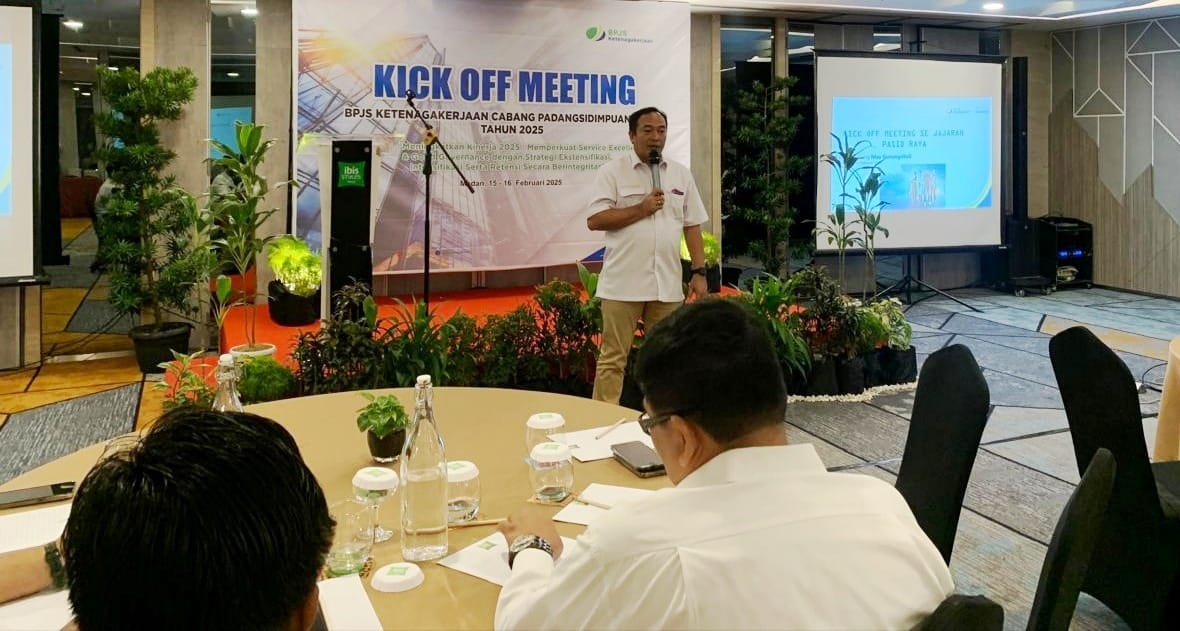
(640, 459)
(37, 495)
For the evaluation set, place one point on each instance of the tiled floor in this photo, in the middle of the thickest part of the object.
(1022, 477)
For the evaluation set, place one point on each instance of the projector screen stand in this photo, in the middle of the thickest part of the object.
(907, 282)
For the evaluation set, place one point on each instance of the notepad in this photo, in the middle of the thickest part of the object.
(32, 528)
(586, 447)
(346, 605)
(607, 494)
(488, 559)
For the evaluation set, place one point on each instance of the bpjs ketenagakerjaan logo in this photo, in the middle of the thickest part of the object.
(620, 35)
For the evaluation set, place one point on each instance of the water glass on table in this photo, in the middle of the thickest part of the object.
(539, 427)
(374, 485)
(353, 540)
(551, 472)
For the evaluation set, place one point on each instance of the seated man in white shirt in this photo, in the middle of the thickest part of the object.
(756, 534)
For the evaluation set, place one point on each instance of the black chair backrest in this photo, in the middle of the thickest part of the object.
(1072, 546)
(950, 410)
(1102, 407)
(960, 612)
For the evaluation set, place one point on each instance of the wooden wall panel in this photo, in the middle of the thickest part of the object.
(1136, 242)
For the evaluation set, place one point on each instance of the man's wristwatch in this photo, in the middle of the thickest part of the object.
(524, 542)
(698, 271)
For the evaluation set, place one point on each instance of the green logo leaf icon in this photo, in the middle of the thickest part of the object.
(592, 32)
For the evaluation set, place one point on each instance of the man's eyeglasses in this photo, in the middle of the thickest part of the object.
(647, 421)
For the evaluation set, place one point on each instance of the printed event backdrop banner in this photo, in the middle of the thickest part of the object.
(530, 98)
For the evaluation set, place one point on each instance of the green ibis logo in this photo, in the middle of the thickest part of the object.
(350, 174)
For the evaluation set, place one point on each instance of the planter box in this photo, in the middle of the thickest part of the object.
(288, 309)
(822, 380)
(898, 366)
(155, 344)
(850, 373)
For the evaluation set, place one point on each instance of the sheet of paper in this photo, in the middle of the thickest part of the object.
(578, 513)
(586, 446)
(488, 559)
(346, 606)
(48, 611)
(32, 528)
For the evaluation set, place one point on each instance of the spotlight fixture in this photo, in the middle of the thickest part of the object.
(993, 6)
(73, 25)
(250, 12)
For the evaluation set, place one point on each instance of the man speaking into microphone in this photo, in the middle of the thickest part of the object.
(643, 202)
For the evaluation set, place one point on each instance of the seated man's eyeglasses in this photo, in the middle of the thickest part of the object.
(647, 421)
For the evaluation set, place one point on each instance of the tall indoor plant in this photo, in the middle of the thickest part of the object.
(239, 217)
(150, 237)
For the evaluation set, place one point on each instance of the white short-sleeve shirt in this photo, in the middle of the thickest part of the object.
(642, 260)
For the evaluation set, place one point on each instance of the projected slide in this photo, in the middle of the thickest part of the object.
(5, 130)
(935, 153)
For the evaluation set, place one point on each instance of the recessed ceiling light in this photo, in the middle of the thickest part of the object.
(250, 12)
(233, 74)
(993, 6)
(85, 94)
(76, 88)
(112, 67)
(73, 25)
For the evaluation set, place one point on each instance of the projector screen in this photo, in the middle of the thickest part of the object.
(931, 127)
(16, 142)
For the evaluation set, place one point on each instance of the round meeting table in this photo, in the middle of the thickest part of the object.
(483, 425)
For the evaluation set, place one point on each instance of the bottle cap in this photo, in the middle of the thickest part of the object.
(375, 479)
(551, 452)
(546, 420)
(397, 577)
(423, 380)
(226, 360)
(461, 471)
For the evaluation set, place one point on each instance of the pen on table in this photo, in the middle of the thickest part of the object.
(579, 498)
(610, 429)
(478, 522)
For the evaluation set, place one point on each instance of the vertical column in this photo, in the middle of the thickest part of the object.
(705, 134)
(175, 33)
(273, 89)
(1035, 46)
(67, 115)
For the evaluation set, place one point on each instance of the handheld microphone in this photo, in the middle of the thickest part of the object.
(409, 96)
(653, 159)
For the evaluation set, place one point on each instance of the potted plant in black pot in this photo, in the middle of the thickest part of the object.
(774, 302)
(295, 292)
(712, 250)
(239, 217)
(151, 231)
(384, 422)
(898, 358)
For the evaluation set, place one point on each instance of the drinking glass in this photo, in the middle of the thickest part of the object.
(353, 540)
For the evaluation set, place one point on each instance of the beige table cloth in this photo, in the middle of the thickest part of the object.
(484, 425)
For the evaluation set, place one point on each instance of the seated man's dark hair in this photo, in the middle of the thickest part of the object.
(211, 521)
(712, 362)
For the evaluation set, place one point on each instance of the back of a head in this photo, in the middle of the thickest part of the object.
(212, 521)
(713, 362)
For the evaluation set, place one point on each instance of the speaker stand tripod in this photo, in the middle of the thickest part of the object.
(907, 282)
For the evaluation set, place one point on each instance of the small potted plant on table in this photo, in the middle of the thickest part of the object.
(384, 422)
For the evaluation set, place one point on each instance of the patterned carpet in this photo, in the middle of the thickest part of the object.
(1023, 475)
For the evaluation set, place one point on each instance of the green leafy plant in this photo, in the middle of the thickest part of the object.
(382, 416)
(840, 228)
(899, 331)
(830, 319)
(186, 382)
(466, 350)
(149, 233)
(760, 173)
(344, 354)
(512, 360)
(264, 379)
(566, 334)
(592, 307)
(417, 338)
(295, 265)
(236, 209)
(773, 299)
(711, 246)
